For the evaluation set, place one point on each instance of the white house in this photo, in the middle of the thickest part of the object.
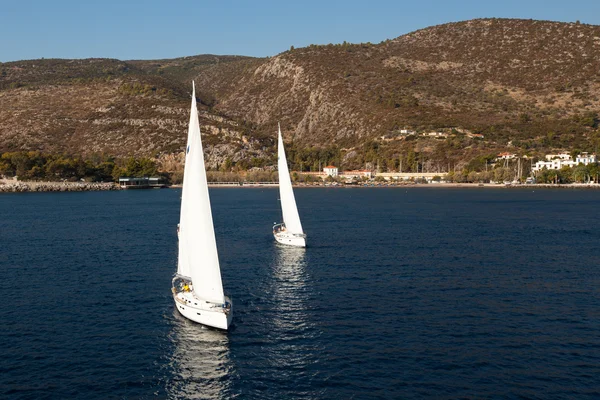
(359, 173)
(557, 161)
(435, 134)
(331, 170)
(561, 156)
(585, 159)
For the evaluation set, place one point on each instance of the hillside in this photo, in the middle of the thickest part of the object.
(527, 86)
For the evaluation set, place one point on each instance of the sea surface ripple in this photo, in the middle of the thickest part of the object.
(402, 293)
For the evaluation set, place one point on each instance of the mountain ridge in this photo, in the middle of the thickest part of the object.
(526, 85)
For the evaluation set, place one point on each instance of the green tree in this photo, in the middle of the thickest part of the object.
(593, 172)
(410, 161)
(117, 172)
(579, 173)
(6, 166)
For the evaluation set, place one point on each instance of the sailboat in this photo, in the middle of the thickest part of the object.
(290, 231)
(197, 287)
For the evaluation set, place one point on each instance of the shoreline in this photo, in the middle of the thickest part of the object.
(12, 186)
(465, 186)
(410, 185)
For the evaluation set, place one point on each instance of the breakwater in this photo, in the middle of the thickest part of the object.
(16, 186)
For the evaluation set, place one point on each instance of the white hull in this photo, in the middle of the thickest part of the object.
(203, 312)
(290, 239)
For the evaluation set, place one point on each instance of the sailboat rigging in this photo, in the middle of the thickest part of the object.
(197, 287)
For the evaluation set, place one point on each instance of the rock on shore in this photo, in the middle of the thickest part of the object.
(16, 186)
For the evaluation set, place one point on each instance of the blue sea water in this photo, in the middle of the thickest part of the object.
(402, 293)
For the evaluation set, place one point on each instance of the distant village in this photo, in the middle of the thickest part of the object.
(551, 162)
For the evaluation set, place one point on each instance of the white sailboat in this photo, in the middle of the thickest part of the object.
(197, 287)
(290, 231)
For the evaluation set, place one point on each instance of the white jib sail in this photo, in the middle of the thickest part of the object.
(286, 193)
(198, 258)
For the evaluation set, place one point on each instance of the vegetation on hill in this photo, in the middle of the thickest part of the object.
(489, 85)
(33, 165)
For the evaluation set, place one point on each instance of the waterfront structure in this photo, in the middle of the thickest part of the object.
(407, 176)
(320, 175)
(141, 182)
(331, 170)
(357, 173)
(133, 183)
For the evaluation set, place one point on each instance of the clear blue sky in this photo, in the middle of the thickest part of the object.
(151, 29)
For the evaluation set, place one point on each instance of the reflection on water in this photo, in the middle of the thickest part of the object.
(290, 291)
(294, 353)
(201, 363)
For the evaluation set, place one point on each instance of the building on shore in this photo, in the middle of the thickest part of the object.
(141, 182)
(411, 176)
(558, 161)
(320, 175)
(357, 174)
(331, 170)
(586, 159)
(367, 174)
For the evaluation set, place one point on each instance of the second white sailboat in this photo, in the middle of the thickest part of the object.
(290, 231)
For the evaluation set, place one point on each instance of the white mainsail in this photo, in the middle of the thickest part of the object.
(286, 193)
(198, 258)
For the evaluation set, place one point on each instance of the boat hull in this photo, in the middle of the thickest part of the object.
(216, 319)
(289, 239)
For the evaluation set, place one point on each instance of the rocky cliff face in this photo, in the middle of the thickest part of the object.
(118, 115)
(471, 74)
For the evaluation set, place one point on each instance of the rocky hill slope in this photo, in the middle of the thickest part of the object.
(526, 86)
